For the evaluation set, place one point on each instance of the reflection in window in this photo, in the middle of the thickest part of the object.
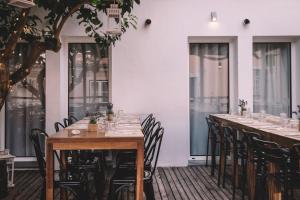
(209, 68)
(25, 105)
(88, 78)
(271, 77)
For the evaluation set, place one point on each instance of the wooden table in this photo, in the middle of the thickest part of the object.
(123, 138)
(270, 131)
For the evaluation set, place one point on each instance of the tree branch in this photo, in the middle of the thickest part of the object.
(15, 35)
(63, 20)
(37, 49)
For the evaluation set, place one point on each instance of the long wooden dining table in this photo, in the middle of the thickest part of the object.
(127, 135)
(271, 130)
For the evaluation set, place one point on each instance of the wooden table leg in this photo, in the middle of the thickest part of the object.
(251, 176)
(140, 171)
(49, 171)
(273, 185)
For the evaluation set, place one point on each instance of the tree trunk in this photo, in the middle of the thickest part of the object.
(4, 82)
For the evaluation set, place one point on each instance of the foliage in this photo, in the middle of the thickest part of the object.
(41, 27)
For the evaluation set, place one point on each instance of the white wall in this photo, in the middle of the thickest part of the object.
(150, 65)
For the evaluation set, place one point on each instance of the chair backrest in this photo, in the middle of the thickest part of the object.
(209, 123)
(150, 131)
(72, 119)
(295, 158)
(270, 151)
(230, 134)
(66, 122)
(58, 126)
(151, 135)
(148, 126)
(248, 135)
(38, 138)
(153, 153)
(147, 120)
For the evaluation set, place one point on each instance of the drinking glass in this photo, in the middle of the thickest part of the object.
(262, 114)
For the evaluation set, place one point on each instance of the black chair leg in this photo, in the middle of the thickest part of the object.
(244, 178)
(234, 176)
(213, 155)
(99, 184)
(43, 191)
(148, 189)
(224, 170)
(207, 147)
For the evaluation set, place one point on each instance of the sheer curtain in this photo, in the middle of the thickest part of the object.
(208, 89)
(271, 74)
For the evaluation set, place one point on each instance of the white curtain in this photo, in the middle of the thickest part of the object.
(208, 89)
(271, 74)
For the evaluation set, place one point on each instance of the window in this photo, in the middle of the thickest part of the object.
(272, 78)
(88, 78)
(209, 89)
(25, 105)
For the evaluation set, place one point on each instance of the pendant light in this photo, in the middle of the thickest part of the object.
(21, 3)
(114, 19)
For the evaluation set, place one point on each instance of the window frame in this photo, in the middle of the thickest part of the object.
(290, 44)
(86, 40)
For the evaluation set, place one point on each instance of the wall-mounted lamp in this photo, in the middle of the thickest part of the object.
(213, 16)
(246, 21)
(148, 22)
(22, 3)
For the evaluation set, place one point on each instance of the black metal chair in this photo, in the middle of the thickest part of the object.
(67, 122)
(211, 139)
(216, 136)
(58, 126)
(146, 120)
(72, 119)
(267, 153)
(295, 169)
(234, 143)
(127, 158)
(251, 155)
(126, 177)
(73, 181)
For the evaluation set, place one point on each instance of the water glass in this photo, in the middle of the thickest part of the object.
(262, 114)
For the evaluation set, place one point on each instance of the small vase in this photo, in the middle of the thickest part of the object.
(92, 127)
(110, 117)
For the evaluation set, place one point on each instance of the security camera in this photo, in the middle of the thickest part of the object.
(246, 21)
(148, 22)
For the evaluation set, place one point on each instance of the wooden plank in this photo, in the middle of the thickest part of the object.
(172, 185)
(179, 187)
(187, 186)
(160, 186)
(212, 188)
(199, 184)
(222, 192)
(157, 194)
(166, 184)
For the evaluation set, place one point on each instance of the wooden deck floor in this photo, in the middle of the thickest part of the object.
(174, 183)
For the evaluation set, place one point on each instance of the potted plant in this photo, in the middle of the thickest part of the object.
(298, 116)
(110, 112)
(92, 124)
(242, 105)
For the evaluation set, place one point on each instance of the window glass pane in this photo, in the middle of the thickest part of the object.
(88, 78)
(25, 105)
(209, 64)
(271, 77)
